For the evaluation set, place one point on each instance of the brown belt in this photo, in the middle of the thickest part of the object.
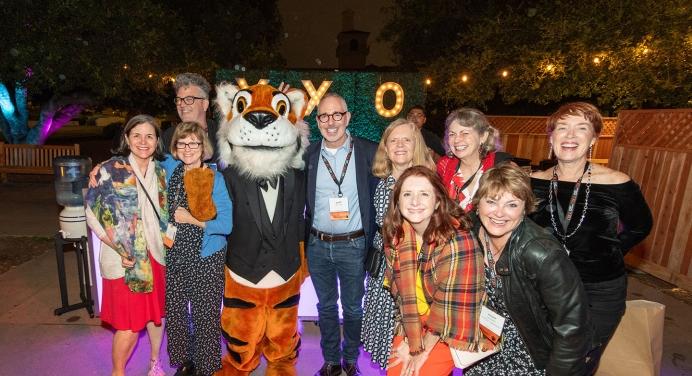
(337, 237)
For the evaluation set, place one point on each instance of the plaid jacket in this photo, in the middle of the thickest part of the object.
(453, 283)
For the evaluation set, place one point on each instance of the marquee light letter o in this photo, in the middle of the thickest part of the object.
(379, 96)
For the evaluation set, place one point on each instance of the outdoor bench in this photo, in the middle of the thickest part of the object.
(31, 159)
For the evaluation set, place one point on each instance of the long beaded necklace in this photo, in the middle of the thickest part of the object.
(552, 190)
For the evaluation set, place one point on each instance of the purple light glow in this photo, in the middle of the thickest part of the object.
(52, 121)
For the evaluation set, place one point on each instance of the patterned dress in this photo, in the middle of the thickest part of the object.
(513, 358)
(377, 331)
(196, 282)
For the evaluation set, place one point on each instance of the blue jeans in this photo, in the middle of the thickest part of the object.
(342, 261)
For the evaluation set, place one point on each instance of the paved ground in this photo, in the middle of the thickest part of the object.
(34, 341)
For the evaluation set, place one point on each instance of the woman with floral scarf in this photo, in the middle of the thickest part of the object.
(128, 210)
(435, 273)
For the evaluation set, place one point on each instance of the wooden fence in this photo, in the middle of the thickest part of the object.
(654, 147)
(525, 137)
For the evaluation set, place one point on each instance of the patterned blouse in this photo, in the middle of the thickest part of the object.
(378, 307)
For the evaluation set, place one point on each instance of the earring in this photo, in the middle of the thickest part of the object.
(590, 152)
(550, 150)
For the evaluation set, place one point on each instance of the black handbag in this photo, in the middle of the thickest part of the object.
(374, 260)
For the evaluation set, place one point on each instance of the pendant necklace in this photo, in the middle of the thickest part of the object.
(491, 260)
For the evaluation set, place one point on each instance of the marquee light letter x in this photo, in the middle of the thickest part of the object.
(315, 95)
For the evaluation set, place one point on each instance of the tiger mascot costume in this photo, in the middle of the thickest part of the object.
(262, 147)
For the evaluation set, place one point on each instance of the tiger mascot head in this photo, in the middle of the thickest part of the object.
(258, 133)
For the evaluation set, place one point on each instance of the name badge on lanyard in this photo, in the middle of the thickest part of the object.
(491, 324)
(338, 208)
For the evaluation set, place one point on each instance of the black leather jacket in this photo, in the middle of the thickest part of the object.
(546, 300)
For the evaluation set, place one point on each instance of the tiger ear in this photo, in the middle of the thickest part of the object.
(299, 100)
(225, 92)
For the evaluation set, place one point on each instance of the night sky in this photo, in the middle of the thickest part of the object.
(311, 27)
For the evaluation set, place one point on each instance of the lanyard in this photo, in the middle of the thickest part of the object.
(458, 188)
(572, 200)
(343, 170)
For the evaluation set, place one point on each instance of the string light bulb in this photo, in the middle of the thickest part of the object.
(505, 73)
(428, 81)
(464, 78)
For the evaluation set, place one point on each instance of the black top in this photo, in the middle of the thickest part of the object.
(617, 218)
(432, 141)
(257, 246)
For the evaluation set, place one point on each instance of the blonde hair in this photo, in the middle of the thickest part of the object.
(382, 166)
(192, 128)
(506, 177)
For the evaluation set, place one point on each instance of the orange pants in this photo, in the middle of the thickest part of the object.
(439, 361)
(260, 322)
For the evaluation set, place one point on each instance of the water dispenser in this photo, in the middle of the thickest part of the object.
(71, 177)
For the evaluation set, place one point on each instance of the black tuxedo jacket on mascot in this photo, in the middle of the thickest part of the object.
(265, 267)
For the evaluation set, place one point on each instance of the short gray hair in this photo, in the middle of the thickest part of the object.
(192, 79)
(332, 94)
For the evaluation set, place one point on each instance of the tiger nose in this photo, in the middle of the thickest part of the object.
(260, 119)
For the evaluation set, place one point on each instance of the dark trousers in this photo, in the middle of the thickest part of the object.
(607, 306)
(194, 290)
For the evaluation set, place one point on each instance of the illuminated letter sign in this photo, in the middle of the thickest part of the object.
(379, 95)
(242, 84)
(315, 95)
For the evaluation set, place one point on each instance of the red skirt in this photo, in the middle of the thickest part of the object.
(126, 310)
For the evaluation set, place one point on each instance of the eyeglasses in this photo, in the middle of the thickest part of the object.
(335, 116)
(187, 100)
(191, 145)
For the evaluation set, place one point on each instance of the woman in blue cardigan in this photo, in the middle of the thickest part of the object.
(201, 212)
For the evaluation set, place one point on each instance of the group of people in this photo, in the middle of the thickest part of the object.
(163, 215)
(432, 252)
(481, 242)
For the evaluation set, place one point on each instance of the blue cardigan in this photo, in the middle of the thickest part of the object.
(215, 230)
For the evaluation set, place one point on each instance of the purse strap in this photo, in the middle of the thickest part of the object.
(148, 197)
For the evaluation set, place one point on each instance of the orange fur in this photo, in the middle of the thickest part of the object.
(199, 184)
(262, 96)
(272, 332)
